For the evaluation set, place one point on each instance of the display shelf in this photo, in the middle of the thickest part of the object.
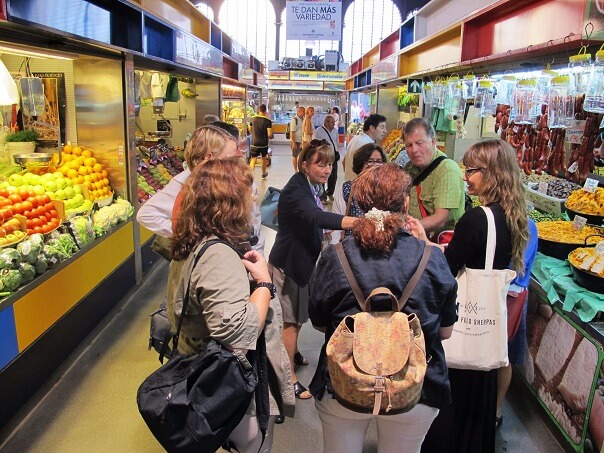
(226, 44)
(159, 39)
(372, 57)
(231, 68)
(407, 33)
(215, 36)
(511, 24)
(390, 45)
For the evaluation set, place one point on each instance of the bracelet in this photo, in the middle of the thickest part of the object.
(269, 286)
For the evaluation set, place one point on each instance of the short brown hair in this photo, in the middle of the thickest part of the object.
(319, 148)
(385, 188)
(217, 201)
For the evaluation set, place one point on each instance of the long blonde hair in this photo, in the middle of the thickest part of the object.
(502, 183)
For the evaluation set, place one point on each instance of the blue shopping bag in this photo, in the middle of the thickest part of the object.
(268, 208)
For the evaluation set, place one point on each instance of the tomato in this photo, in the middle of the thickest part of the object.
(29, 223)
(36, 222)
(31, 194)
(6, 214)
(2, 232)
(43, 220)
(54, 213)
(45, 198)
(37, 229)
(14, 198)
(4, 193)
(48, 215)
(23, 193)
(9, 228)
(49, 206)
(5, 202)
(30, 231)
(18, 208)
(55, 223)
(46, 229)
(40, 200)
(42, 210)
(27, 205)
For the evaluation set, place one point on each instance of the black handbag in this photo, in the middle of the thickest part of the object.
(193, 403)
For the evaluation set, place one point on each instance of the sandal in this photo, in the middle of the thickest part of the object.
(299, 359)
(301, 392)
(498, 421)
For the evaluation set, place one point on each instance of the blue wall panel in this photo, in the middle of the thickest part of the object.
(8, 337)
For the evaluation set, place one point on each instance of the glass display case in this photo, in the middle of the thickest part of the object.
(234, 107)
(282, 105)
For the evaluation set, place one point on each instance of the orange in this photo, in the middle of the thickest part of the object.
(64, 169)
(104, 173)
(67, 157)
(68, 149)
(87, 153)
(74, 180)
(80, 179)
(89, 161)
(77, 151)
(82, 171)
(89, 170)
(97, 167)
(106, 181)
(71, 173)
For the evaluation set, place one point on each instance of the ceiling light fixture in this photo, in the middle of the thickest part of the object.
(16, 49)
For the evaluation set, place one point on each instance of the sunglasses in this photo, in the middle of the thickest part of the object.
(315, 143)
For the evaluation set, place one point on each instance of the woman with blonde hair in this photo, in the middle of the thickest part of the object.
(381, 252)
(492, 174)
(308, 127)
(220, 306)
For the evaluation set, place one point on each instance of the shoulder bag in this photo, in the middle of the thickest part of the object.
(335, 148)
(193, 403)
(269, 208)
(479, 338)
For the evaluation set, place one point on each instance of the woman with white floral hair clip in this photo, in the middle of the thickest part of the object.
(381, 252)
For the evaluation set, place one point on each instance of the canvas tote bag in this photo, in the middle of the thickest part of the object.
(479, 339)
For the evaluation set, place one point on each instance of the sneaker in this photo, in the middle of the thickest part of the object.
(265, 175)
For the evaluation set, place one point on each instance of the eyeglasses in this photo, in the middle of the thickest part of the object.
(372, 162)
(471, 171)
(242, 145)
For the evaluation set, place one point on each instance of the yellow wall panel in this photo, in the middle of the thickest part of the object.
(436, 54)
(176, 12)
(43, 306)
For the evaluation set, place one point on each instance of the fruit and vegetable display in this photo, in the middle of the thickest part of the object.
(587, 259)
(556, 187)
(154, 174)
(565, 232)
(539, 216)
(584, 202)
(393, 144)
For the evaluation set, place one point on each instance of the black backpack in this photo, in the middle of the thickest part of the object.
(287, 129)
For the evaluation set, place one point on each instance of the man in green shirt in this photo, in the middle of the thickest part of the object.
(442, 190)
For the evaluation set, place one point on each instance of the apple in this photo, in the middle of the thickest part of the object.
(57, 175)
(4, 184)
(34, 179)
(77, 189)
(69, 192)
(61, 184)
(50, 186)
(61, 195)
(16, 179)
(39, 189)
(20, 234)
(10, 238)
(52, 195)
(3, 241)
(68, 182)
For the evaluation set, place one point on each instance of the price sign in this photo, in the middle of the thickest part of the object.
(590, 185)
(579, 222)
(600, 248)
(573, 167)
(575, 134)
(543, 186)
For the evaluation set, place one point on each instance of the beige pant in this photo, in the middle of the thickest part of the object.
(247, 437)
(344, 430)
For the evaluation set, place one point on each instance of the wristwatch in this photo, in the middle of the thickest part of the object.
(270, 287)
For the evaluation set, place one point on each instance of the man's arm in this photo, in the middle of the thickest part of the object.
(436, 221)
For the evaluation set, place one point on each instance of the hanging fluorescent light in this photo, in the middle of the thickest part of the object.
(16, 49)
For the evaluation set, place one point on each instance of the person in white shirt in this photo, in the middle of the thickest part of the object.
(296, 132)
(335, 112)
(374, 130)
(210, 141)
(329, 133)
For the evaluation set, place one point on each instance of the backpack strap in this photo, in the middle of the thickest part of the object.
(415, 277)
(354, 285)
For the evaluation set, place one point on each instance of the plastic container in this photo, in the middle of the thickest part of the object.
(505, 89)
(428, 93)
(594, 97)
(469, 86)
(544, 82)
(455, 104)
(440, 92)
(523, 111)
(484, 101)
(561, 103)
(581, 68)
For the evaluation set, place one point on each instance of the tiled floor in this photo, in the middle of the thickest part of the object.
(90, 403)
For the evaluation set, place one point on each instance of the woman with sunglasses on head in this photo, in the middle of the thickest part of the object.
(367, 156)
(492, 174)
(298, 244)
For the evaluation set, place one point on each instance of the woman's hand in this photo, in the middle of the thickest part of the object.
(415, 228)
(256, 265)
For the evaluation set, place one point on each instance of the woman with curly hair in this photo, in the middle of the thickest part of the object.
(492, 174)
(221, 307)
(381, 252)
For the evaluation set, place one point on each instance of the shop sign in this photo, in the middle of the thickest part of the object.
(316, 75)
(295, 85)
(240, 54)
(192, 51)
(312, 19)
(278, 75)
(387, 69)
(334, 86)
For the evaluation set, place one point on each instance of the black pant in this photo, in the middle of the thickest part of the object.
(331, 182)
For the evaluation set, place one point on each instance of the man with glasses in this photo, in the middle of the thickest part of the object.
(374, 130)
(329, 134)
(438, 198)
